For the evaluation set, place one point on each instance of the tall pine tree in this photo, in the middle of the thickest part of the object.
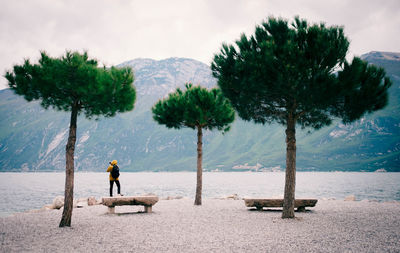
(195, 108)
(76, 84)
(297, 74)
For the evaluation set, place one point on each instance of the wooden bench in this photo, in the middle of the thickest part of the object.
(146, 201)
(300, 204)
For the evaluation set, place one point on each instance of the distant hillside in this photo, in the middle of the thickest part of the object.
(388, 60)
(33, 139)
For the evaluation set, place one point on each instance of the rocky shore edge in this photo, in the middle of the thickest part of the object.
(58, 201)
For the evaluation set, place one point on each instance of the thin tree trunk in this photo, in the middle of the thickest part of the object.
(197, 200)
(69, 170)
(290, 180)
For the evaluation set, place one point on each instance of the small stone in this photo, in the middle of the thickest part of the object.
(58, 202)
(172, 197)
(47, 207)
(81, 204)
(233, 196)
(350, 198)
(392, 202)
(92, 201)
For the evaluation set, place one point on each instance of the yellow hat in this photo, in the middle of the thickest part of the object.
(114, 162)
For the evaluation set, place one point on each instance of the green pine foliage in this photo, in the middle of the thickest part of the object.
(194, 107)
(364, 89)
(74, 78)
(292, 69)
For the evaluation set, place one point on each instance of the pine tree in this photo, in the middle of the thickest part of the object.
(195, 108)
(76, 84)
(297, 74)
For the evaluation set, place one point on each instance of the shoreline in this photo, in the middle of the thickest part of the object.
(80, 201)
(216, 226)
(211, 171)
(83, 202)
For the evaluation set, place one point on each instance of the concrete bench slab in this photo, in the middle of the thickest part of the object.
(146, 201)
(300, 204)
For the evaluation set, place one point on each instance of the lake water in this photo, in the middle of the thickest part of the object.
(25, 191)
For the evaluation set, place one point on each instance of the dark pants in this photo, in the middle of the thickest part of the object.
(111, 187)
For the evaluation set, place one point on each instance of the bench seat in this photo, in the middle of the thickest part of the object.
(300, 204)
(146, 201)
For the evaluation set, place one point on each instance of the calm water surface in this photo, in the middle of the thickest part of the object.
(25, 191)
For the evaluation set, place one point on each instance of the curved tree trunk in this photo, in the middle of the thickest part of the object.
(290, 180)
(69, 170)
(197, 200)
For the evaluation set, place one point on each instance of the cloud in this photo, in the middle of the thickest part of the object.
(121, 30)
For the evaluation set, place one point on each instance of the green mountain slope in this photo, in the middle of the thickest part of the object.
(33, 139)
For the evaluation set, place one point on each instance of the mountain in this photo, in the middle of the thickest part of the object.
(154, 79)
(33, 139)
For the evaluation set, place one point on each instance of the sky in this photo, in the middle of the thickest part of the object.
(115, 31)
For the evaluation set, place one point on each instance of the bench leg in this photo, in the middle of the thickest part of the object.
(147, 209)
(259, 208)
(301, 209)
(111, 209)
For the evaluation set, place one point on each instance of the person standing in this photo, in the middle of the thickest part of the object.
(114, 177)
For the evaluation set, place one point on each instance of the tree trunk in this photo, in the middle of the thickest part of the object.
(69, 170)
(290, 180)
(197, 200)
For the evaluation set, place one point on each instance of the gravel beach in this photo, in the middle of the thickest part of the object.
(216, 226)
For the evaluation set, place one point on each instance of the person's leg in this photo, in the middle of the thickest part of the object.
(111, 187)
(119, 186)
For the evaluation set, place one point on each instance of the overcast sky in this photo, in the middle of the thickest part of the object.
(115, 31)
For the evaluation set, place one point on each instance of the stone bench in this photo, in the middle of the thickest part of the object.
(300, 204)
(146, 201)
